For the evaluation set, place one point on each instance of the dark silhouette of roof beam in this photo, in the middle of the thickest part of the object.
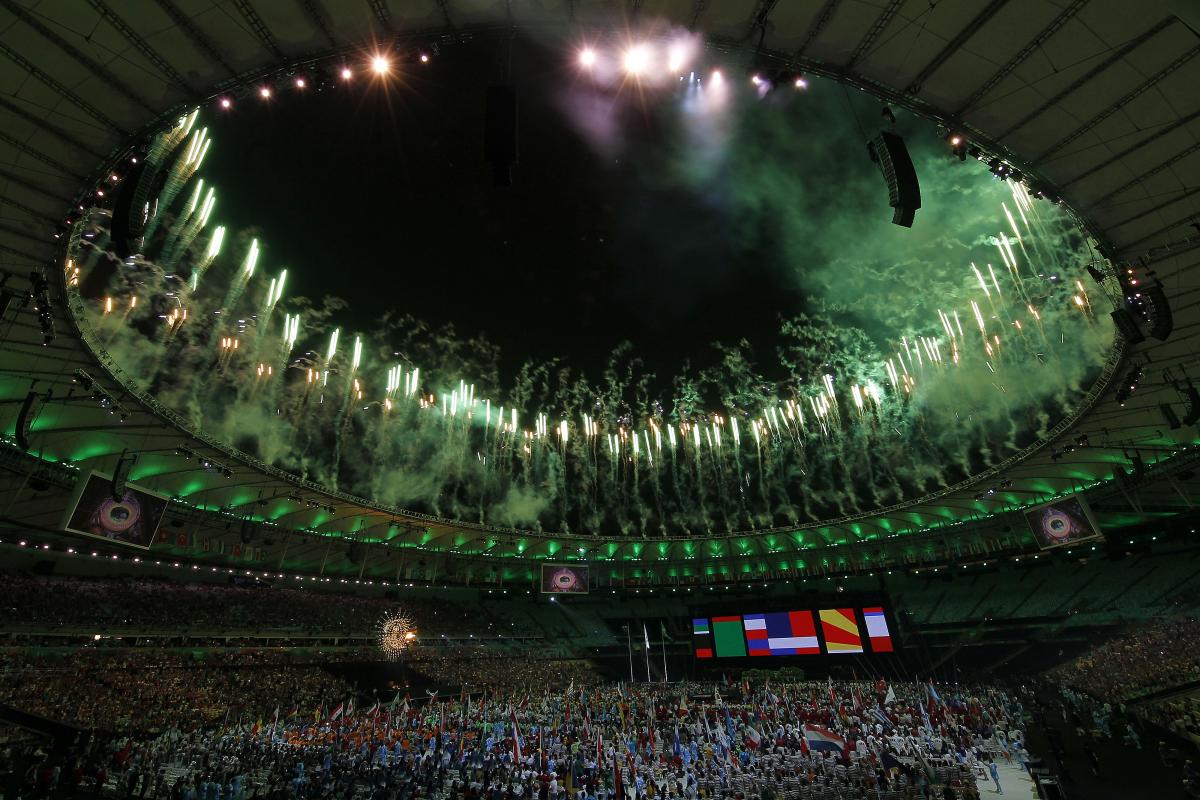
(29, 185)
(1025, 52)
(1113, 58)
(698, 7)
(818, 25)
(1166, 129)
(955, 44)
(33, 212)
(1128, 98)
(760, 15)
(21, 234)
(259, 28)
(1183, 195)
(197, 37)
(318, 17)
(20, 253)
(382, 13)
(1165, 251)
(1190, 219)
(45, 78)
(46, 125)
(40, 156)
(881, 22)
(142, 46)
(1170, 162)
(444, 6)
(90, 64)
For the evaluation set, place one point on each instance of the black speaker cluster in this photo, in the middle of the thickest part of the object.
(888, 150)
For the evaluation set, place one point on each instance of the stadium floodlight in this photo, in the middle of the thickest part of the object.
(637, 58)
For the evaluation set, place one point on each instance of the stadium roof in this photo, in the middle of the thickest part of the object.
(1095, 99)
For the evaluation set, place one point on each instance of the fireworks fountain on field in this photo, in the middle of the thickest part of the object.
(1004, 351)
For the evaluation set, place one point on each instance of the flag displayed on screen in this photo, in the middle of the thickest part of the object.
(702, 637)
(841, 630)
(756, 634)
(727, 633)
(791, 633)
(877, 630)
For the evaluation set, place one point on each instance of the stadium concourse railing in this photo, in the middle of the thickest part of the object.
(79, 318)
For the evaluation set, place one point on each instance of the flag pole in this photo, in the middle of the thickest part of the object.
(629, 647)
(646, 637)
(662, 630)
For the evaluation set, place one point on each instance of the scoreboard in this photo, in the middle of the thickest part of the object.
(795, 632)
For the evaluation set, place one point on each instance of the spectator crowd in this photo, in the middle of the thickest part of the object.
(1153, 656)
(601, 741)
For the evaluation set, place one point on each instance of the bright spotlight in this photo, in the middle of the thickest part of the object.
(424, 58)
(346, 73)
(756, 80)
(264, 92)
(381, 65)
(674, 60)
(717, 77)
(226, 102)
(636, 59)
(587, 57)
(300, 82)
(801, 83)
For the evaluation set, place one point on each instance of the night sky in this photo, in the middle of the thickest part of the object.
(379, 193)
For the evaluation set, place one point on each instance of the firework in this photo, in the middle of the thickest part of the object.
(663, 460)
(397, 632)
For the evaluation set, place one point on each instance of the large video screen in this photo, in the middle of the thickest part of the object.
(130, 520)
(1064, 521)
(792, 633)
(564, 579)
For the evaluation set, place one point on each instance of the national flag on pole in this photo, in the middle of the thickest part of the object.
(753, 737)
(337, 712)
(891, 696)
(682, 711)
(350, 708)
(880, 717)
(822, 739)
(934, 695)
(833, 698)
(516, 738)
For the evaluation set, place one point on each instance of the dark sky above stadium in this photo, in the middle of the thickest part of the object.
(379, 193)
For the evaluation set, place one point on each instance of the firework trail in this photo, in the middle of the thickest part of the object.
(875, 406)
